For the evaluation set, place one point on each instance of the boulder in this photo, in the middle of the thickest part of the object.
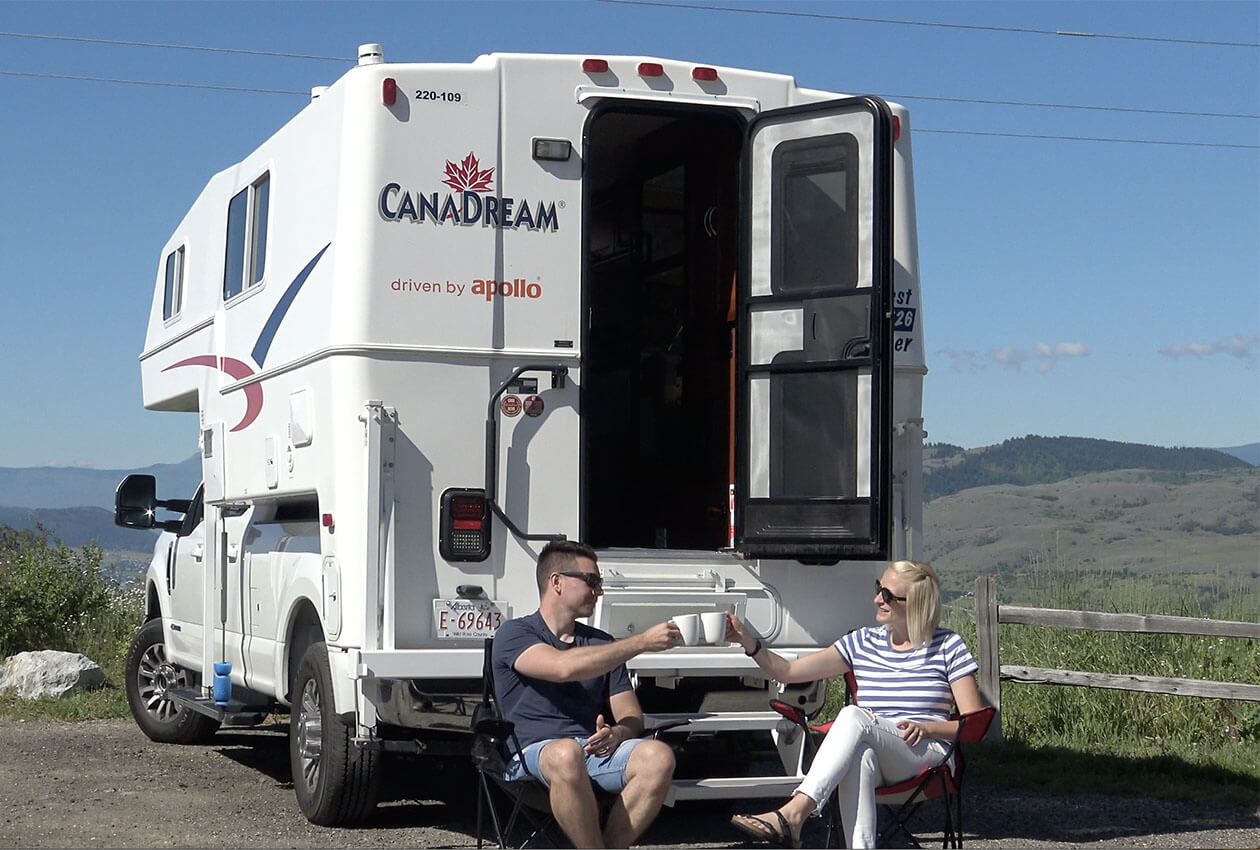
(48, 673)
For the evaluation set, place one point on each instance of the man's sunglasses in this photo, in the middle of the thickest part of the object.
(593, 580)
(886, 594)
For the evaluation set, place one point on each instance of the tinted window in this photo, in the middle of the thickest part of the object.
(815, 222)
(173, 298)
(262, 193)
(234, 258)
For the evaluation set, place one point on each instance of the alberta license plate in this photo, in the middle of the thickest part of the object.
(468, 618)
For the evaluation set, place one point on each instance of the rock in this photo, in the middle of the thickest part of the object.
(49, 673)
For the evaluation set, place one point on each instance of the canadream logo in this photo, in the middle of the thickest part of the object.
(471, 202)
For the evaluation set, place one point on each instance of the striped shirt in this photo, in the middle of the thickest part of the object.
(912, 685)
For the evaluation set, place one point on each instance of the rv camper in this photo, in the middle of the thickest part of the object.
(449, 312)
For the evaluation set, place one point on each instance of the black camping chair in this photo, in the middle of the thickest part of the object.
(902, 799)
(494, 744)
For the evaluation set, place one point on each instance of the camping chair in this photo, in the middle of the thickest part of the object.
(902, 799)
(494, 744)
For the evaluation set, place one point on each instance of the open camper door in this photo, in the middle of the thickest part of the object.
(815, 357)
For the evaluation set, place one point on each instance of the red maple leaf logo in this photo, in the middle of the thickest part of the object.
(468, 176)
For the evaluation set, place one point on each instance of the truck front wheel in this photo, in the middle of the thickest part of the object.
(335, 781)
(149, 676)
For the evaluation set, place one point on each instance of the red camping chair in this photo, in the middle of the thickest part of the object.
(903, 799)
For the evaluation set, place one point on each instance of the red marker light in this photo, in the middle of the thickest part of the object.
(327, 520)
(651, 69)
(704, 75)
(389, 91)
(594, 66)
(896, 127)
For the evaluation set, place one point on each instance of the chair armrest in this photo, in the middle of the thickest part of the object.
(973, 725)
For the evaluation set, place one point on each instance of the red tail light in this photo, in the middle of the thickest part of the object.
(464, 533)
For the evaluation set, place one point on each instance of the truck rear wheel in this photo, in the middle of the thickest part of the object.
(149, 676)
(336, 782)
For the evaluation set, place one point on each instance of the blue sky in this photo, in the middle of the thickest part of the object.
(1070, 287)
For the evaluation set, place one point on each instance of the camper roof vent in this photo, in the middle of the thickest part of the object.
(371, 54)
(317, 91)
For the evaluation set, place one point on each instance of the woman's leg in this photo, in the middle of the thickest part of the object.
(860, 753)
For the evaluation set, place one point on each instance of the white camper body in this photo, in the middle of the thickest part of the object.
(669, 310)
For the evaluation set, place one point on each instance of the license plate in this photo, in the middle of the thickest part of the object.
(468, 618)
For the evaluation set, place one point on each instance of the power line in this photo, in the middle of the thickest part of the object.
(174, 46)
(150, 83)
(916, 130)
(1179, 112)
(1024, 30)
(1087, 139)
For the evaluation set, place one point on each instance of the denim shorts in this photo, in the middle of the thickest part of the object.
(608, 772)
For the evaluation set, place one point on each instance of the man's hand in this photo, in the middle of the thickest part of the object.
(606, 738)
(660, 637)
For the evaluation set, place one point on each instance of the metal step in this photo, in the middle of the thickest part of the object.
(726, 721)
(731, 788)
(234, 712)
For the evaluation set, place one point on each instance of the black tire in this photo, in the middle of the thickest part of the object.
(149, 675)
(336, 782)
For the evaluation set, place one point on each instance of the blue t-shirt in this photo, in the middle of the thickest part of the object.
(912, 685)
(542, 710)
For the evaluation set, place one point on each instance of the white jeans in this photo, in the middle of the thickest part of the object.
(860, 753)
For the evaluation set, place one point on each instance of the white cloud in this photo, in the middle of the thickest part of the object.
(1044, 354)
(1235, 346)
(962, 361)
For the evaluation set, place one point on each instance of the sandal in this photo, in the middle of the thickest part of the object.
(759, 828)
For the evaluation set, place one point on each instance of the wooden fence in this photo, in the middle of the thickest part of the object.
(992, 672)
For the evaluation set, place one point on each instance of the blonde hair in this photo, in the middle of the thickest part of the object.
(923, 599)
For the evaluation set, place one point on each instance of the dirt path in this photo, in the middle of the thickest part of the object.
(103, 784)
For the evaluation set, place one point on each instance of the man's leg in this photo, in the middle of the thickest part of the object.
(562, 764)
(648, 774)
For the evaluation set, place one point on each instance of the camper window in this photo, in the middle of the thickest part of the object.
(173, 298)
(245, 258)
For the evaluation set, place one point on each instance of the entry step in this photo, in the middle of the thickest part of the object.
(235, 713)
(726, 721)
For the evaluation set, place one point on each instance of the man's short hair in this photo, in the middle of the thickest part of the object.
(559, 556)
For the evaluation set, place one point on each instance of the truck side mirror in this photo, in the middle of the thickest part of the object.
(135, 502)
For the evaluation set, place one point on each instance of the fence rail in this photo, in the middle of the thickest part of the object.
(992, 672)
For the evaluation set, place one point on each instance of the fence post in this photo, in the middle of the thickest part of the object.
(987, 649)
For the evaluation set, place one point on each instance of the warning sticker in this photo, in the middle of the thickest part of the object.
(511, 405)
(533, 405)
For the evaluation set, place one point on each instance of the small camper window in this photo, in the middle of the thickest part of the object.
(245, 259)
(173, 298)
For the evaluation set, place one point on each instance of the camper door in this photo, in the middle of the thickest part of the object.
(815, 334)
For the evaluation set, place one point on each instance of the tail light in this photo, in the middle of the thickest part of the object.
(465, 526)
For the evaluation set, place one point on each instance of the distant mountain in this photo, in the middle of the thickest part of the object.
(1044, 460)
(80, 526)
(1249, 453)
(76, 487)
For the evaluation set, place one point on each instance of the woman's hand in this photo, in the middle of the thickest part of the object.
(737, 633)
(912, 732)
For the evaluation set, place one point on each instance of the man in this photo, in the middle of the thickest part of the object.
(552, 675)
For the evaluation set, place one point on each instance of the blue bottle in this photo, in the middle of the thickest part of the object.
(222, 682)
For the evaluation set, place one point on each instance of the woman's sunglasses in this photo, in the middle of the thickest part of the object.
(593, 580)
(886, 594)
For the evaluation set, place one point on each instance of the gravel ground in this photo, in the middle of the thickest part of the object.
(103, 784)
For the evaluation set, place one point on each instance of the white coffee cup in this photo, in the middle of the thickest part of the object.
(689, 625)
(713, 624)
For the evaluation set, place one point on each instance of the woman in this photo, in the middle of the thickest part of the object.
(909, 673)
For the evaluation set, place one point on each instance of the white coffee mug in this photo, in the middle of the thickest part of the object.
(713, 624)
(689, 625)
